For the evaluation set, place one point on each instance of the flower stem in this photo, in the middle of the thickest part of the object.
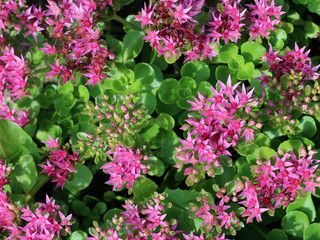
(124, 22)
(43, 180)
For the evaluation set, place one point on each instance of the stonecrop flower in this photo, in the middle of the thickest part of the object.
(289, 75)
(141, 221)
(217, 125)
(60, 163)
(46, 222)
(125, 167)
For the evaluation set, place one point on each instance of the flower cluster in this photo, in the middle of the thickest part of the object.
(117, 123)
(13, 84)
(223, 120)
(77, 40)
(60, 164)
(43, 223)
(171, 29)
(142, 221)
(174, 27)
(7, 210)
(289, 74)
(125, 168)
(278, 181)
(262, 18)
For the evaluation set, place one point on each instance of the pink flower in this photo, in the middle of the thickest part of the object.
(51, 143)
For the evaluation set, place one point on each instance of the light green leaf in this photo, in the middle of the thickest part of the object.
(295, 223)
(26, 173)
(81, 179)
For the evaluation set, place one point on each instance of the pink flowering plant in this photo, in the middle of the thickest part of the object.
(169, 119)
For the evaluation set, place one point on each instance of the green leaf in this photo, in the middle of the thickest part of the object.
(81, 179)
(236, 63)
(308, 126)
(150, 132)
(143, 189)
(266, 153)
(222, 73)
(125, 2)
(144, 72)
(252, 51)
(304, 205)
(295, 223)
(312, 232)
(37, 56)
(14, 142)
(180, 209)
(199, 71)
(26, 173)
(277, 234)
(165, 121)
(227, 52)
(246, 71)
(291, 144)
(169, 90)
(101, 207)
(48, 96)
(82, 93)
(277, 39)
(187, 82)
(149, 101)
(65, 88)
(311, 30)
(157, 167)
(205, 89)
(243, 167)
(314, 6)
(132, 45)
(48, 128)
(168, 147)
(78, 235)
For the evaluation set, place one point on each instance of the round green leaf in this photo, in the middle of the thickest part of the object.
(48, 128)
(165, 121)
(266, 153)
(185, 93)
(205, 89)
(291, 144)
(308, 126)
(227, 52)
(82, 93)
(65, 88)
(36, 56)
(314, 6)
(149, 101)
(143, 189)
(199, 71)
(277, 234)
(187, 82)
(118, 85)
(101, 207)
(81, 179)
(252, 51)
(295, 223)
(304, 205)
(168, 91)
(246, 71)
(144, 72)
(312, 232)
(132, 45)
(236, 62)
(222, 73)
(26, 173)
(78, 235)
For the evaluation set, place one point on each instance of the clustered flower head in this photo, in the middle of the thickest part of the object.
(125, 167)
(262, 18)
(290, 73)
(60, 165)
(13, 84)
(277, 182)
(7, 209)
(141, 221)
(46, 222)
(77, 39)
(173, 27)
(118, 119)
(218, 123)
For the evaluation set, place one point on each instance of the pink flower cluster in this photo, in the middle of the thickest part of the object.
(42, 223)
(125, 168)
(13, 84)
(7, 212)
(60, 163)
(289, 73)
(262, 18)
(219, 127)
(278, 181)
(77, 39)
(143, 221)
(173, 28)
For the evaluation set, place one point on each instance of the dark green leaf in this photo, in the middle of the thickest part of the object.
(81, 179)
(277, 234)
(26, 173)
(144, 72)
(143, 189)
(199, 71)
(295, 223)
